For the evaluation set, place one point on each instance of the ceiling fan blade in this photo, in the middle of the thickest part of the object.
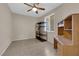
(36, 12)
(29, 10)
(28, 5)
(40, 8)
(36, 3)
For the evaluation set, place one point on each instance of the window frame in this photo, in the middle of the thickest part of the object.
(47, 18)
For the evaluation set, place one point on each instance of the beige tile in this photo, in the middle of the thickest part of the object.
(30, 47)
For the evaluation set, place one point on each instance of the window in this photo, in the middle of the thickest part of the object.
(47, 26)
(50, 22)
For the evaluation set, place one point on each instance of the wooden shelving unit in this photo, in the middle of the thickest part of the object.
(68, 36)
(66, 29)
(41, 34)
(68, 23)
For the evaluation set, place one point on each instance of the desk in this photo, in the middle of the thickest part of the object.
(64, 46)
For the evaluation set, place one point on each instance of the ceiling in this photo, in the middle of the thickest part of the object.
(20, 8)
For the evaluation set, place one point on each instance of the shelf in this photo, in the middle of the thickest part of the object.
(62, 25)
(60, 30)
(68, 34)
(68, 23)
(63, 41)
(41, 22)
(41, 34)
(43, 26)
(68, 29)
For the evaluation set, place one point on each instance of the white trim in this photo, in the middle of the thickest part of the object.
(22, 39)
(5, 49)
(48, 19)
(50, 31)
(51, 14)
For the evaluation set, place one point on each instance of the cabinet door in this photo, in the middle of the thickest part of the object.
(60, 49)
(66, 50)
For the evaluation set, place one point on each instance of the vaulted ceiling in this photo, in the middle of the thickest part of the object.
(20, 8)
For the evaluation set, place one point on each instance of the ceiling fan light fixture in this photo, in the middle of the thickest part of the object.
(34, 9)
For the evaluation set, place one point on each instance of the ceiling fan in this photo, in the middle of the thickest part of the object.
(34, 7)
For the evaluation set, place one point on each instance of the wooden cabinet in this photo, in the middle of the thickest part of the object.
(60, 49)
(55, 43)
(68, 22)
(68, 36)
(66, 50)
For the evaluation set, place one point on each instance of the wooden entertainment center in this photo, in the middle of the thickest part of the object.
(67, 41)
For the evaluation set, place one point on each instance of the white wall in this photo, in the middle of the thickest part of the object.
(50, 37)
(23, 27)
(5, 27)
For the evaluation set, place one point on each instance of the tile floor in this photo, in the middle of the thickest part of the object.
(31, 47)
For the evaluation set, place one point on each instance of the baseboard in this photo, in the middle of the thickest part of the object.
(22, 39)
(51, 41)
(5, 49)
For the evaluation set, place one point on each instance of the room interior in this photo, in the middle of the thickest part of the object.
(52, 31)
